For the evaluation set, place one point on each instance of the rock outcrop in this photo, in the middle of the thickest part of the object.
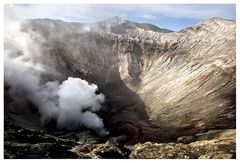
(21, 142)
(220, 144)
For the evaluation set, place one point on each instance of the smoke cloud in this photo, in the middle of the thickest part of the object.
(72, 103)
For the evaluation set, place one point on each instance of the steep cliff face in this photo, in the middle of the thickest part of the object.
(158, 86)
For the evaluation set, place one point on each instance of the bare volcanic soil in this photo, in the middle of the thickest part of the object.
(164, 88)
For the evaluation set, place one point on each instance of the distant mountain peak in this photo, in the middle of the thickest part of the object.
(115, 20)
(216, 20)
(152, 27)
(209, 24)
(118, 23)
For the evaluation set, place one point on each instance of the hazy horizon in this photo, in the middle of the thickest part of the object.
(171, 16)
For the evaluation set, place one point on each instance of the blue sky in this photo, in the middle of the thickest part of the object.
(171, 16)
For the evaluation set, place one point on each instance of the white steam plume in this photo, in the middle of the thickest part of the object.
(72, 103)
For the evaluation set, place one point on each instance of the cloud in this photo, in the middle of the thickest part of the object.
(91, 13)
(148, 16)
(171, 16)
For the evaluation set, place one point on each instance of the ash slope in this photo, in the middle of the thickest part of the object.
(159, 86)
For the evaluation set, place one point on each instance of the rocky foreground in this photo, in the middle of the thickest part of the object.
(23, 142)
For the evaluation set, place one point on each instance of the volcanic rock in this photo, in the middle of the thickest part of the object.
(219, 147)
